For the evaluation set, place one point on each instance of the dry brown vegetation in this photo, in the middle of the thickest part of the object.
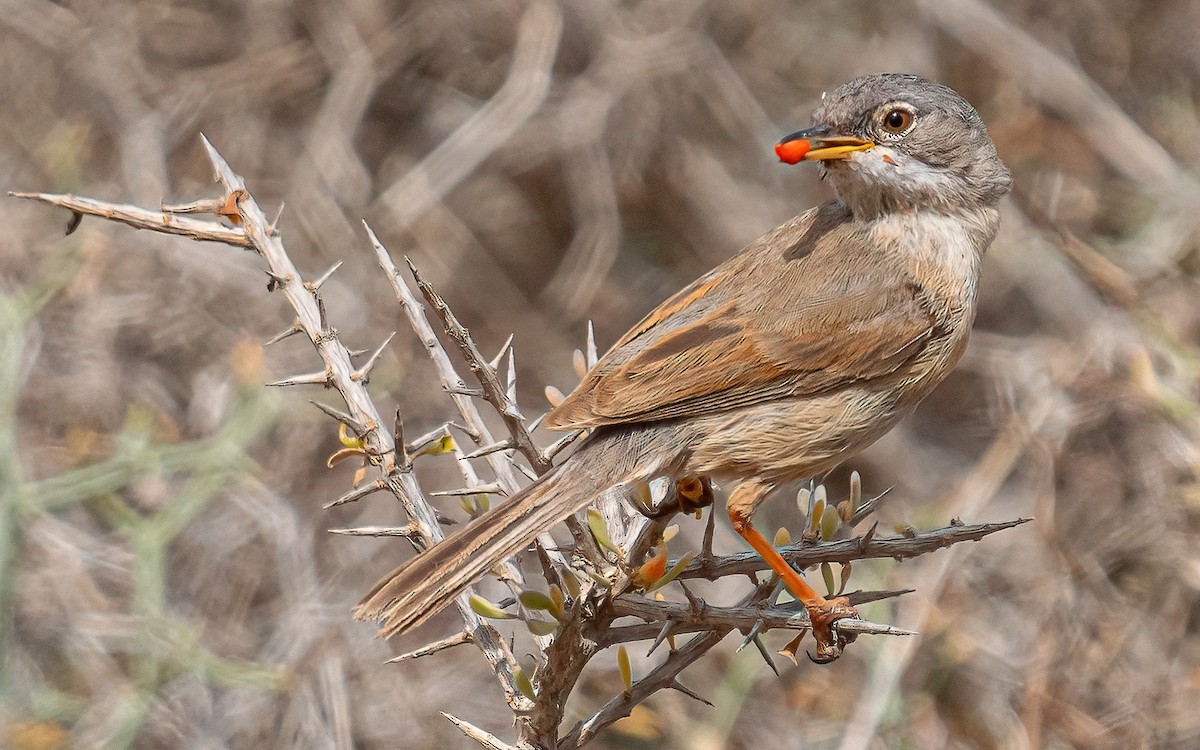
(165, 575)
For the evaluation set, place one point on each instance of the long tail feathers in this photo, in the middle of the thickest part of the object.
(427, 584)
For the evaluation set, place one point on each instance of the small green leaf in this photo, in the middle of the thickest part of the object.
(829, 523)
(536, 600)
(541, 627)
(626, 670)
(827, 574)
(600, 531)
(468, 507)
(783, 537)
(523, 684)
(443, 444)
(844, 574)
(347, 438)
(571, 581)
(818, 513)
(490, 610)
(557, 602)
(673, 572)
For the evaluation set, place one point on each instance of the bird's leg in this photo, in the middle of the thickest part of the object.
(823, 613)
(689, 495)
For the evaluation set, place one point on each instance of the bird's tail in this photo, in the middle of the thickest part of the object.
(428, 583)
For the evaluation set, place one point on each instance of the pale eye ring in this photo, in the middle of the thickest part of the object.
(897, 120)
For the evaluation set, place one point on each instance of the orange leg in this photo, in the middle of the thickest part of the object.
(824, 613)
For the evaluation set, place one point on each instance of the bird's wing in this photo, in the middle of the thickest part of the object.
(801, 311)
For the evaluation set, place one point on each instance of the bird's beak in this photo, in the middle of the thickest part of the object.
(818, 143)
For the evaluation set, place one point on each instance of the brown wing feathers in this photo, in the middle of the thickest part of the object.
(710, 348)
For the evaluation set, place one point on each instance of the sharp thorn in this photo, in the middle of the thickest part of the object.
(432, 648)
(292, 330)
(695, 604)
(495, 363)
(754, 631)
(273, 227)
(489, 741)
(364, 373)
(762, 649)
(561, 444)
(662, 636)
(398, 439)
(487, 450)
(676, 685)
(868, 507)
(358, 493)
(406, 531)
(483, 489)
(315, 285)
(355, 426)
(312, 378)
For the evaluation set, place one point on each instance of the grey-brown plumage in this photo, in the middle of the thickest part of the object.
(784, 360)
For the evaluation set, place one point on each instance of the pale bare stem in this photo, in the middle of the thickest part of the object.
(141, 218)
(253, 230)
(486, 739)
(450, 379)
(378, 440)
(407, 531)
(452, 382)
(457, 639)
(494, 391)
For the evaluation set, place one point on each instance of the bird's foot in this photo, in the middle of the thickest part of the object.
(688, 495)
(831, 641)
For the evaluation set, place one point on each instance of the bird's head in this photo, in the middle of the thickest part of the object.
(894, 142)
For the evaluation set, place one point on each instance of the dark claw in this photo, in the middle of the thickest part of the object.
(662, 510)
(830, 647)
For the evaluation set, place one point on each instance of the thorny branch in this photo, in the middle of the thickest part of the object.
(594, 589)
(253, 230)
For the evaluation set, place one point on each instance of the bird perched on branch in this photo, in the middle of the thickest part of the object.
(786, 359)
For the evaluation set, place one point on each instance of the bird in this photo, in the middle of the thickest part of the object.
(783, 361)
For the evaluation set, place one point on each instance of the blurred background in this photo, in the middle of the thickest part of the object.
(166, 578)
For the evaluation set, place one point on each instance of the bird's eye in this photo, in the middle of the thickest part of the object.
(897, 120)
